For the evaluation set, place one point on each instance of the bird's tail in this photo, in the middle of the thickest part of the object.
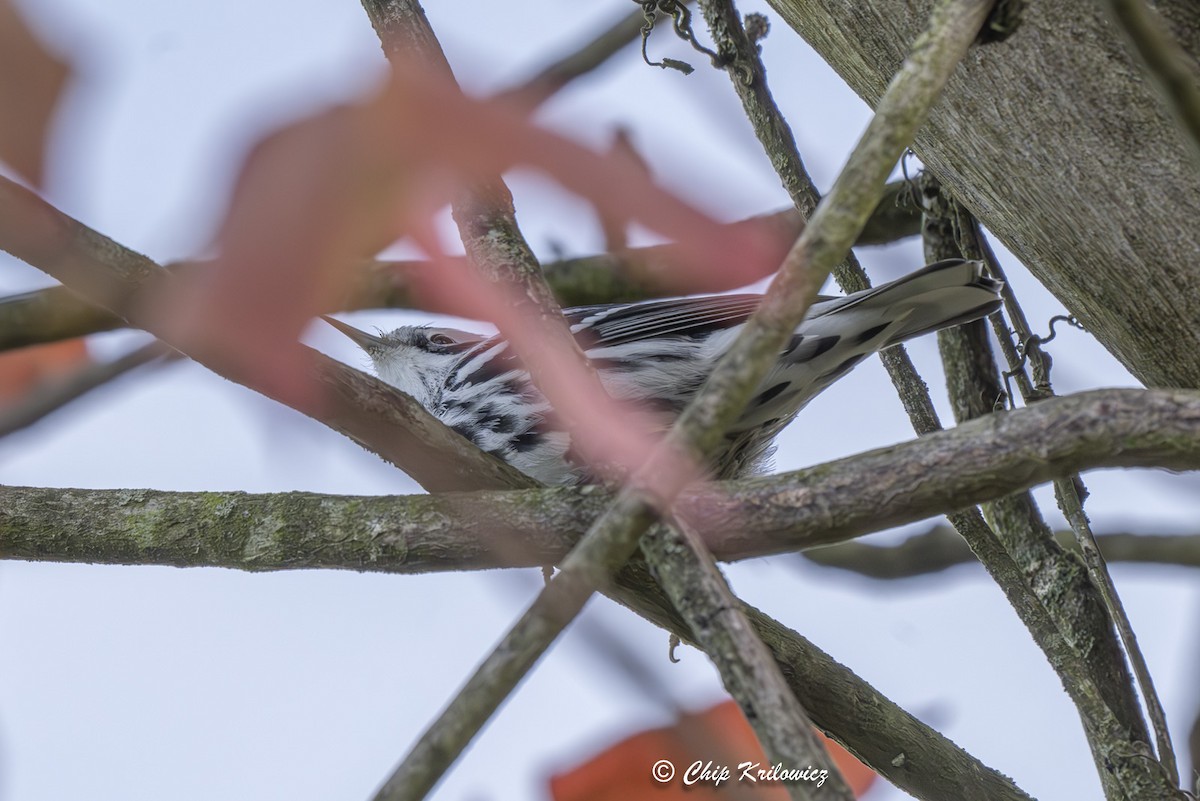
(937, 296)
(838, 333)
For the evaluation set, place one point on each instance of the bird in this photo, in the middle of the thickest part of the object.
(656, 354)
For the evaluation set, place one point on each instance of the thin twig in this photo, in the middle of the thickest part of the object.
(951, 230)
(554, 76)
(1071, 503)
(46, 400)
(941, 548)
(1069, 492)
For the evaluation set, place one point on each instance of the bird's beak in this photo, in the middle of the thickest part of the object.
(361, 338)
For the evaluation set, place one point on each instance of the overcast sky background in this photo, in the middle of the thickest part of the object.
(141, 683)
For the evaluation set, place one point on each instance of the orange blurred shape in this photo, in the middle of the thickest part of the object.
(721, 735)
(24, 369)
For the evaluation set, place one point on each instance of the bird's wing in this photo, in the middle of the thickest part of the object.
(603, 326)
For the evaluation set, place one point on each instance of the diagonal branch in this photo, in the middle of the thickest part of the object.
(487, 226)
(612, 538)
(558, 73)
(373, 414)
(1070, 491)
(746, 69)
(48, 315)
(492, 240)
(749, 77)
(1079, 639)
(490, 234)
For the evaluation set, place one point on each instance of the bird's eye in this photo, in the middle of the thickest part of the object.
(441, 339)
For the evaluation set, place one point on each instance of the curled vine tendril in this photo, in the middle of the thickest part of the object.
(682, 21)
(1032, 343)
(911, 196)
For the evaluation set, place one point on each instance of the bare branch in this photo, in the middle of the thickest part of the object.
(1079, 639)
(824, 505)
(612, 538)
(1069, 492)
(749, 78)
(49, 315)
(941, 548)
(373, 414)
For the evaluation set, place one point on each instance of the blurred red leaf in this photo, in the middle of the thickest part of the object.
(322, 193)
(312, 198)
(633, 768)
(31, 81)
(23, 370)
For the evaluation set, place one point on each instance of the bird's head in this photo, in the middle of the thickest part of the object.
(414, 359)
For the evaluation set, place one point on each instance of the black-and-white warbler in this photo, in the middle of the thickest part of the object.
(657, 353)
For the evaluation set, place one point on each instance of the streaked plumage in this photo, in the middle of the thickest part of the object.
(657, 353)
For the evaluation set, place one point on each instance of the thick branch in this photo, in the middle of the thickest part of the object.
(823, 505)
(1108, 428)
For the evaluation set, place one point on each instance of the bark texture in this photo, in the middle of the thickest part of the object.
(1064, 149)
